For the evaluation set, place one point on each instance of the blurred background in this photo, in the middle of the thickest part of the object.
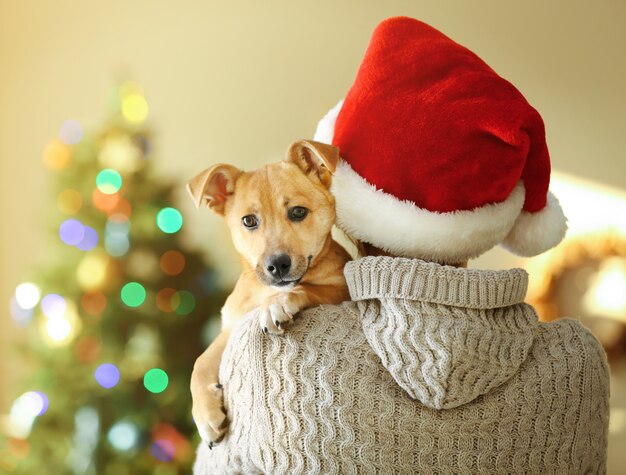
(107, 108)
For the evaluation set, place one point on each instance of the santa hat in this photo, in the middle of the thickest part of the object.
(442, 159)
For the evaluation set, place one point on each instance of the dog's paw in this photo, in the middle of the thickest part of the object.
(276, 312)
(209, 414)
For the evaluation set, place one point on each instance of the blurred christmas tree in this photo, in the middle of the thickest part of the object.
(115, 315)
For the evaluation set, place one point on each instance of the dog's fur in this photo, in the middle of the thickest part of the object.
(315, 275)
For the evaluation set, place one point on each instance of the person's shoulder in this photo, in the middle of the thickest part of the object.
(348, 309)
(328, 319)
(570, 340)
(316, 334)
(319, 320)
(572, 332)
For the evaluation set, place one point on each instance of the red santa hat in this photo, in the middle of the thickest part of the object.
(442, 159)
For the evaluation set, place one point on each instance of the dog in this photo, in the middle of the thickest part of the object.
(280, 218)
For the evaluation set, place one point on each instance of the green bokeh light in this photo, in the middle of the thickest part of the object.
(133, 294)
(169, 220)
(109, 181)
(155, 380)
(184, 302)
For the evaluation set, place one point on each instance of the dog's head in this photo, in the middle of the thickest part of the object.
(281, 215)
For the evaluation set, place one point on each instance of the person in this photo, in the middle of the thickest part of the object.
(432, 367)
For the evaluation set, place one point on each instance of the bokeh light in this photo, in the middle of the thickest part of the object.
(117, 223)
(183, 302)
(56, 155)
(172, 262)
(89, 240)
(116, 231)
(175, 444)
(103, 201)
(163, 450)
(27, 295)
(143, 264)
(88, 349)
(134, 108)
(109, 181)
(107, 375)
(71, 132)
(53, 306)
(164, 300)
(121, 153)
(20, 315)
(169, 300)
(93, 302)
(45, 402)
(19, 448)
(123, 436)
(69, 201)
(133, 294)
(59, 329)
(606, 294)
(155, 380)
(71, 232)
(86, 436)
(169, 220)
(33, 403)
(92, 270)
(23, 412)
(122, 208)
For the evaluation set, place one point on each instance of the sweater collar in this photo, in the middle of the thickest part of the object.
(413, 279)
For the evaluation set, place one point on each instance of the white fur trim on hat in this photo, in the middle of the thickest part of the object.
(326, 127)
(402, 228)
(534, 233)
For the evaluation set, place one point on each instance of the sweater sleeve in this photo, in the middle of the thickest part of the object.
(594, 436)
(279, 392)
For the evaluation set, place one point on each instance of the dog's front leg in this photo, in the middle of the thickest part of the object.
(279, 309)
(207, 394)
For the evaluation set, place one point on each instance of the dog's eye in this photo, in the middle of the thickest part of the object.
(297, 213)
(250, 221)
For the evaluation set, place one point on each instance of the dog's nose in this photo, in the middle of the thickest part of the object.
(278, 265)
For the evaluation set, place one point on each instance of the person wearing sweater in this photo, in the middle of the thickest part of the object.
(431, 367)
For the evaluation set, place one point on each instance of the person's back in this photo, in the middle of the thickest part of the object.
(431, 369)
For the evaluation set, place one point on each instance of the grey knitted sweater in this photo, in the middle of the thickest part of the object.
(431, 369)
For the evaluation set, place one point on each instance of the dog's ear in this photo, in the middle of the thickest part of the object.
(314, 158)
(213, 186)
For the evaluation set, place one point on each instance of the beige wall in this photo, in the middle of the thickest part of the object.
(238, 81)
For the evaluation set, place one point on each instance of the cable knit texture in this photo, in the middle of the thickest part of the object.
(431, 369)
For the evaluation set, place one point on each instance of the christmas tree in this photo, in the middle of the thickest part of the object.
(115, 316)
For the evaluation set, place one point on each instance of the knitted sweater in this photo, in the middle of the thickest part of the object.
(431, 369)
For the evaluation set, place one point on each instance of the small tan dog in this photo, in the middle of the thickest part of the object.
(280, 218)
